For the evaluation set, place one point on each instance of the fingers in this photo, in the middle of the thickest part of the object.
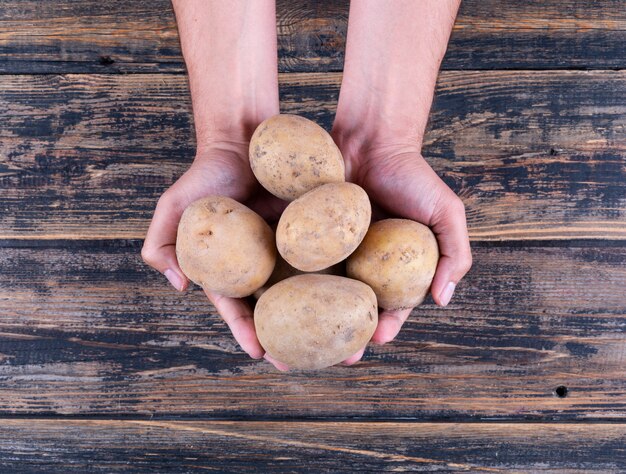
(353, 359)
(240, 320)
(159, 248)
(389, 324)
(238, 316)
(449, 225)
(279, 365)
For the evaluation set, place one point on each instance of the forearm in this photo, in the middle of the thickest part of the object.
(393, 53)
(230, 52)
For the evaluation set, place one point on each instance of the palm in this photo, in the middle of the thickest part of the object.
(219, 172)
(401, 185)
(228, 174)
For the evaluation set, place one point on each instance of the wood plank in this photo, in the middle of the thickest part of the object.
(116, 36)
(242, 446)
(88, 329)
(534, 155)
(487, 35)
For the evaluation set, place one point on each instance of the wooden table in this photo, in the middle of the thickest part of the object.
(105, 368)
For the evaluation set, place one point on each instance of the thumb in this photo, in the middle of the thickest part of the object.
(159, 248)
(449, 225)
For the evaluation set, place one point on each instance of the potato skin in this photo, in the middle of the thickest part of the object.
(397, 259)
(290, 155)
(314, 321)
(324, 226)
(225, 247)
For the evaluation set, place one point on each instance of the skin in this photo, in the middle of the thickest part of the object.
(394, 49)
(393, 52)
(227, 108)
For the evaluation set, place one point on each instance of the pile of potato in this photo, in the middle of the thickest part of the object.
(308, 315)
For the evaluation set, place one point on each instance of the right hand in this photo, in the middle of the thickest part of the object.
(220, 169)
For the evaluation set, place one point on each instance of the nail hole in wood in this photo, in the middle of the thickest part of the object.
(561, 391)
(105, 60)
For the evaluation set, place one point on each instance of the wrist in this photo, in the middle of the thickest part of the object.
(233, 125)
(229, 106)
(374, 135)
(367, 119)
(228, 146)
(230, 54)
(361, 151)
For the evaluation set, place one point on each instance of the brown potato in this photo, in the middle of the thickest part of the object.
(397, 259)
(225, 247)
(291, 155)
(324, 226)
(315, 321)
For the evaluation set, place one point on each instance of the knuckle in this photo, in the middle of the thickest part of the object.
(148, 255)
(171, 201)
(466, 261)
(457, 206)
(165, 199)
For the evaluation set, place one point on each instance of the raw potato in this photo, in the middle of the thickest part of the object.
(397, 259)
(315, 321)
(291, 155)
(225, 247)
(324, 226)
(282, 271)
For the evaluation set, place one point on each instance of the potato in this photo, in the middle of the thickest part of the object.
(397, 259)
(283, 270)
(291, 155)
(225, 247)
(324, 226)
(315, 321)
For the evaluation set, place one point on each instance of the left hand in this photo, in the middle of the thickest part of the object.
(400, 182)
(220, 169)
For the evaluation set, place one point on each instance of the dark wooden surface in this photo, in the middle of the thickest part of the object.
(99, 325)
(234, 446)
(104, 367)
(64, 36)
(534, 154)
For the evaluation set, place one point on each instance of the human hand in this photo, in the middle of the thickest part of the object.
(220, 169)
(400, 182)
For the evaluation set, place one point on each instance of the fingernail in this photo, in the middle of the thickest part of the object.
(174, 279)
(446, 294)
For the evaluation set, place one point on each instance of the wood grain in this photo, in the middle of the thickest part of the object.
(535, 332)
(534, 155)
(229, 446)
(113, 36)
(89, 329)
